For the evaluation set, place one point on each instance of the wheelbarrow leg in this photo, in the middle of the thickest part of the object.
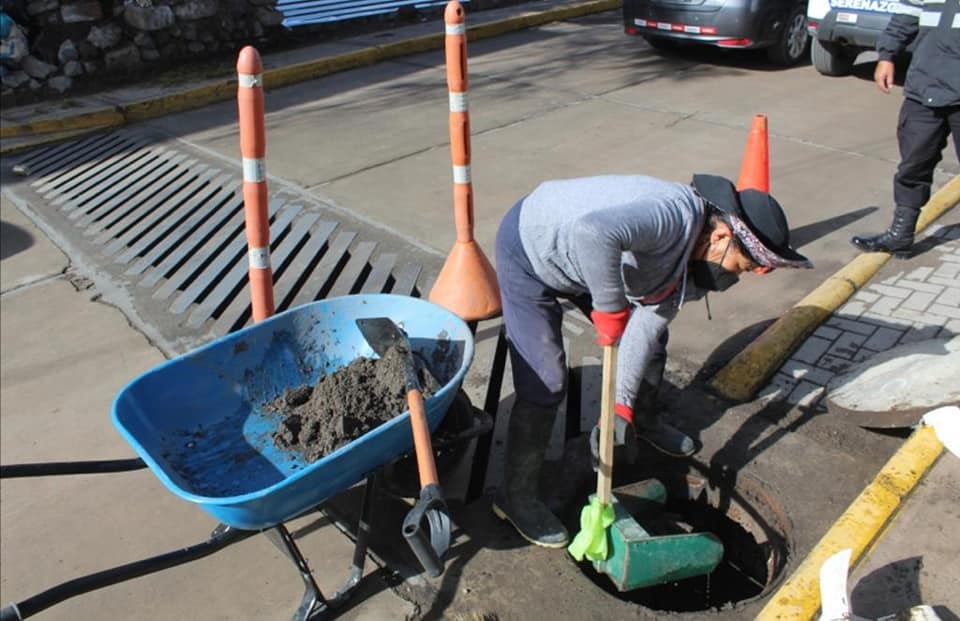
(360, 548)
(481, 455)
(313, 605)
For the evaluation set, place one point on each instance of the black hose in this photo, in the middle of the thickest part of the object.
(55, 468)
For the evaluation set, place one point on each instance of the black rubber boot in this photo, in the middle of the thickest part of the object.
(648, 421)
(517, 500)
(897, 240)
(667, 439)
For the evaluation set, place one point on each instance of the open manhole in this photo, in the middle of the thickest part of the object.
(743, 513)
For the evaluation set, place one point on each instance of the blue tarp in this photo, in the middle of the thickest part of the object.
(304, 12)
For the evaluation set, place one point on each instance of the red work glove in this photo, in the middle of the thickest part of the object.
(609, 326)
(624, 437)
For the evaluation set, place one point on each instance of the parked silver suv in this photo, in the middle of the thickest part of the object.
(841, 29)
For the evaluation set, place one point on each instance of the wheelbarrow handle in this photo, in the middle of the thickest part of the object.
(56, 468)
(429, 547)
(221, 537)
(422, 443)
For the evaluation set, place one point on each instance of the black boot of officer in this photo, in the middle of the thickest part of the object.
(897, 240)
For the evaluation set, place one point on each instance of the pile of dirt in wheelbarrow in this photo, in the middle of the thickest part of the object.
(344, 405)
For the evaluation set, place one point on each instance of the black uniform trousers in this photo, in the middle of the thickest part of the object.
(922, 135)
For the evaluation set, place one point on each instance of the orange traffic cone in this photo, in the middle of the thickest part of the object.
(755, 170)
(467, 284)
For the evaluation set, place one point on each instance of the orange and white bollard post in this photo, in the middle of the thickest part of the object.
(456, 53)
(467, 284)
(253, 148)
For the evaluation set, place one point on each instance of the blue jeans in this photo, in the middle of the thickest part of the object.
(533, 318)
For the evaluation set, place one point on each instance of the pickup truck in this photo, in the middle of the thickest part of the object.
(841, 29)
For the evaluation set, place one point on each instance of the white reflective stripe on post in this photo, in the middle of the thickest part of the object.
(456, 29)
(461, 174)
(956, 21)
(458, 102)
(250, 80)
(254, 169)
(930, 18)
(259, 258)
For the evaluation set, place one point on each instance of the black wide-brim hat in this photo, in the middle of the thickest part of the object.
(757, 220)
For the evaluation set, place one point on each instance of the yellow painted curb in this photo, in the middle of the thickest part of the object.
(860, 526)
(746, 372)
(106, 117)
(281, 76)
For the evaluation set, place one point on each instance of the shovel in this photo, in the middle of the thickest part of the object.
(381, 334)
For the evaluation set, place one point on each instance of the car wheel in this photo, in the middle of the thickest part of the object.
(791, 48)
(830, 59)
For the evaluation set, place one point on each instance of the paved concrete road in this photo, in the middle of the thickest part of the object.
(562, 100)
(582, 98)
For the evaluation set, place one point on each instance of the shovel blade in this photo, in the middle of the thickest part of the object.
(382, 333)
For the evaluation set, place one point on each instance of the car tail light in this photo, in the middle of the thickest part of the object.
(630, 30)
(734, 42)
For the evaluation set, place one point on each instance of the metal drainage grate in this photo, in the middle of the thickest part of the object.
(169, 228)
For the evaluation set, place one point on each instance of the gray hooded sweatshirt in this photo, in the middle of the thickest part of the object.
(618, 238)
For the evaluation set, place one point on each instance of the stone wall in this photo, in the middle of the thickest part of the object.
(72, 42)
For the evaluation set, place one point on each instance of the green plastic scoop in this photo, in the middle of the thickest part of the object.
(616, 543)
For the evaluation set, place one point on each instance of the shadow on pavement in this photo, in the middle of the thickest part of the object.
(890, 590)
(932, 241)
(475, 529)
(754, 60)
(13, 240)
(809, 233)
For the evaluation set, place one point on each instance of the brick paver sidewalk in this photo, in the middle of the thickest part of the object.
(907, 301)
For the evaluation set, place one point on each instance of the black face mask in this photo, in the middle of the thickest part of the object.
(711, 275)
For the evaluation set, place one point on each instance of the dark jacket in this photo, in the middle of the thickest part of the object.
(934, 75)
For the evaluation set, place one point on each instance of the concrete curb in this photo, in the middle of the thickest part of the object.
(746, 372)
(41, 140)
(860, 526)
(226, 89)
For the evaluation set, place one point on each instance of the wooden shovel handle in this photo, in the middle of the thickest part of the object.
(421, 439)
(608, 388)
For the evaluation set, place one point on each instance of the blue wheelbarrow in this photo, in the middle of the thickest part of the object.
(200, 423)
